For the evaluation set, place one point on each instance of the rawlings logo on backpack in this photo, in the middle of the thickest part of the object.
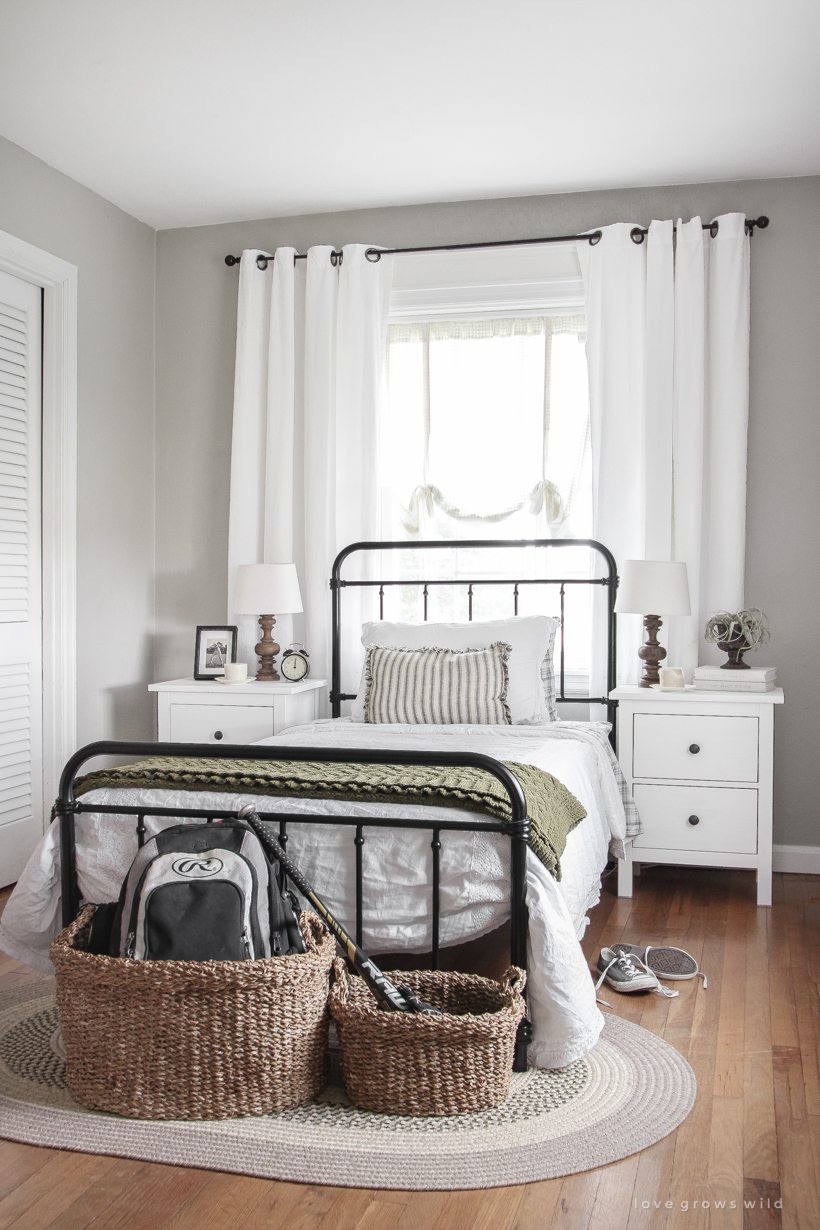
(197, 868)
(203, 892)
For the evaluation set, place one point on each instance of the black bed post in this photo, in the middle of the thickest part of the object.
(612, 645)
(69, 889)
(519, 924)
(336, 615)
(64, 809)
(518, 829)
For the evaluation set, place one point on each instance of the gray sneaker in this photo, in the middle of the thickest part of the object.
(627, 973)
(672, 963)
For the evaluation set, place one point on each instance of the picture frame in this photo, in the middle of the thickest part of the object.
(214, 647)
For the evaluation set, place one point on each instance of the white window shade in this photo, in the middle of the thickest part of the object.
(534, 279)
(487, 422)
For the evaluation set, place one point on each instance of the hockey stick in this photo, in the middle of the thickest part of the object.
(389, 996)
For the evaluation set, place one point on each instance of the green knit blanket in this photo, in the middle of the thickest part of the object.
(553, 811)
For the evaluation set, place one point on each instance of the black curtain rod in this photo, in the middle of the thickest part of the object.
(637, 234)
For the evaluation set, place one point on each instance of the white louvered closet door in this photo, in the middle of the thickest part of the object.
(21, 736)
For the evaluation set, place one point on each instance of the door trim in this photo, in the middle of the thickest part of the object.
(58, 280)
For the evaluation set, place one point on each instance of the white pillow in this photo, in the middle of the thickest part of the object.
(530, 637)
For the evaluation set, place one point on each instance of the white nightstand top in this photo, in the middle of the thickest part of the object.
(283, 688)
(687, 695)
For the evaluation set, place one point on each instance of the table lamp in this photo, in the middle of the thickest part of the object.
(652, 585)
(267, 587)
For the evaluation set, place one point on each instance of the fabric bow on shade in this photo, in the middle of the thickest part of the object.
(545, 495)
(427, 499)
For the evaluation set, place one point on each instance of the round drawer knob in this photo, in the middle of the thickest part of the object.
(218, 734)
(694, 748)
(694, 819)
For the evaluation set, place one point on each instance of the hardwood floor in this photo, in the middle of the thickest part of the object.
(753, 1039)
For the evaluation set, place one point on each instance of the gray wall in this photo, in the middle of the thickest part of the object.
(115, 256)
(196, 319)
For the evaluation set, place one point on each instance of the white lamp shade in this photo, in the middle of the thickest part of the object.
(267, 589)
(653, 587)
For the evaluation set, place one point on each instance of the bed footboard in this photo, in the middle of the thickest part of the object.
(517, 828)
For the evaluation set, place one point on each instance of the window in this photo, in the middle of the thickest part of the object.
(485, 430)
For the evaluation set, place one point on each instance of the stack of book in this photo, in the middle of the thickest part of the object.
(716, 679)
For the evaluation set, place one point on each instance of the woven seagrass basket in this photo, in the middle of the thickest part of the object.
(408, 1064)
(193, 1039)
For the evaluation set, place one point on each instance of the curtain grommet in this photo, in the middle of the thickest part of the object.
(637, 234)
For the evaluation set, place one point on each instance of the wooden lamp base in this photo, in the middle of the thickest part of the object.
(650, 653)
(267, 649)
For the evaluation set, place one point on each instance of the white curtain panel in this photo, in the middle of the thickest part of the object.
(668, 356)
(309, 357)
(281, 393)
(614, 273)
(249, 485)
(688, 438)
(319, 418)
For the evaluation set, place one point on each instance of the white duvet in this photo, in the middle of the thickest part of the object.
(397, 864)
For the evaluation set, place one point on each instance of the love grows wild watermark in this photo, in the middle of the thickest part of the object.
(687, 1206)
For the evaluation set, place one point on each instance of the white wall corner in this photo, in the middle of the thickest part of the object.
(803, 860)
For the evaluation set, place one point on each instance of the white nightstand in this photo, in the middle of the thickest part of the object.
(197, 711)
(700, 766)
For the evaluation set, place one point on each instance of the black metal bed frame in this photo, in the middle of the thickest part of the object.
(517, 828)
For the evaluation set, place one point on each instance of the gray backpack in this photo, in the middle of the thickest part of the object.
(204, 892)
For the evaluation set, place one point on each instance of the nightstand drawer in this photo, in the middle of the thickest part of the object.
(716, 749)
(726, 819)
(220, 723)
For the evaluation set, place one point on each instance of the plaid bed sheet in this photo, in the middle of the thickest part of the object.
(599, 731)
(633, 819)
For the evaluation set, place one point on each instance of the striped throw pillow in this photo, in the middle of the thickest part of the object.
(436, 686)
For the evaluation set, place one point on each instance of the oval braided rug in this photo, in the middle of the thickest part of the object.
(629, 1092)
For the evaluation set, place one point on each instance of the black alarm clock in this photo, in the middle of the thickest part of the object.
(295, 663)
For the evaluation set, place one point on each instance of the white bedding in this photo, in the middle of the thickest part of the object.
(474, 866)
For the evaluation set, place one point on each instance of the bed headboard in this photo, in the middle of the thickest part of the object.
(610, 581)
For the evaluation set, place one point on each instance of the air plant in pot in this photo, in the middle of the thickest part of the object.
(736, 633)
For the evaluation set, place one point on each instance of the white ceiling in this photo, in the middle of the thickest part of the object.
(194, 111)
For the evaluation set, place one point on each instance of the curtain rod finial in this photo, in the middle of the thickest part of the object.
(232, 260)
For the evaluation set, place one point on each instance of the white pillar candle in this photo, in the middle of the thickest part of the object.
(671, 676)
(236, 672)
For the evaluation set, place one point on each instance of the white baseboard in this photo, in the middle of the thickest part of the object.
(800, 859)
